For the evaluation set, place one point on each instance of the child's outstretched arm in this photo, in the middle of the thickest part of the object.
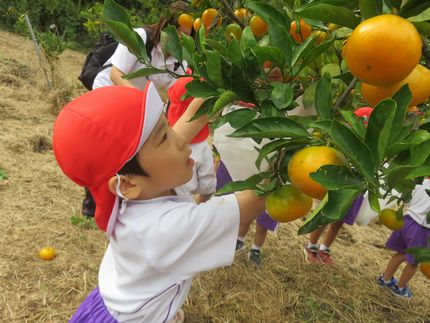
(189, 129)
(250, 206)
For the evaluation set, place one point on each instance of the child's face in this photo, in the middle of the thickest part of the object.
(165, 157)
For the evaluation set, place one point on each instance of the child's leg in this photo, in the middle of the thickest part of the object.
(393, 265)
(260, 235)
(315, 235)
(331, 233)
(407, 274)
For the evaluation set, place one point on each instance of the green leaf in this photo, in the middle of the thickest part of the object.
(332, 69)
(174, 46)
(415, 138)
(216, 45)
(423, 27)
(329, 13)
(309, 96)
(402, 97)
(355, 122)
(355, 150)
(379, 128)
(188, 49)
(225, 98)
(315, 52)
(202, 37)
(248, 184)
(273, 54)
(235, 54)
(338, 204)
(335, 177)
(128, 37)
(282, 95)
(247, 40)
(271, 128)
(324, 125)
(323, 98)
(303, 48)
(419, 254)
(419, 13)
(266, 12)
(236, 118)
(143, 72)
(114, 12)
(374, 202)
(280, 37)
(201, 89)
(214, 67)
(370, 8)
(314, 220)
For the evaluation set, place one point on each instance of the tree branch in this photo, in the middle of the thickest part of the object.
(231, 14)
(345, 94)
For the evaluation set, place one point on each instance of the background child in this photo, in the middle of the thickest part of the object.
(159, 239)
(414, 233)
(203, 182)
(321, 254)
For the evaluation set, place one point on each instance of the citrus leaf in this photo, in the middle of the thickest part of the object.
(235, 54)
(323, 98)
(355, 122)
(415, 138)
(370, 8)
(266, 12)
(214, 67)
(335, 177)
(248, 184)
(329, 13)
(271, 128)
(201, 89)
(273, 54)
(338, 204)
(174, 46)
(374, 202)
(128, 37)
(287, 144)
(282, 95)
(402, 97)
(280, 37)
(114, 12)
(143, 72)
(247, 39)
(236, 118)
(225, 98)
(419, 254)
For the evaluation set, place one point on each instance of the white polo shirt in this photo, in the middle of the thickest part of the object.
(419, 205)
(156, 249)
(126, 62)
(204, 176)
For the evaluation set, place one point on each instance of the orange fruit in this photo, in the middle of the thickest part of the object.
(383, 50)
(305, 31)
(387, 217)
(233, 29)
(309, 160)
(208, 17)
(320, 36)
(288, 204)
(186, 21)
(197, 24)
(425, 269)
(242, 13)
(258, 27)
(47, 253)
(419, 84)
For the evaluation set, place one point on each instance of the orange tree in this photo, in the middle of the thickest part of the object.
(393, 152)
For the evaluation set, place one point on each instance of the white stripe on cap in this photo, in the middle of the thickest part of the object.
(153, 109)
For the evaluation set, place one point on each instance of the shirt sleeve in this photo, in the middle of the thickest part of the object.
(194, 238)
(123, 59)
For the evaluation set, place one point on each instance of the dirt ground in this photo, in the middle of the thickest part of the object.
(39, 206)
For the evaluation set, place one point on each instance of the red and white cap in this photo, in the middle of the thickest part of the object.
(364, 113)
(96, 134)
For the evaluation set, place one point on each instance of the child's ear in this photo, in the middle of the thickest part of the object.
(127, 187)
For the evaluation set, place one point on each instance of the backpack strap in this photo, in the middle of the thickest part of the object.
(149, 45)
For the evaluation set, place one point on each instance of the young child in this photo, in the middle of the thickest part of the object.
(414, 233)
(203, 182)
(116, 141)
(263, 223)
(321, 254)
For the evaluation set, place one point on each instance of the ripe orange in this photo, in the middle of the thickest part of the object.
(208, 17)
(288, 204)
(387, 217)
(258, 27)
(309, 160)
(233, 29)
(383, 50)
(305, 31)
(242, 13)
(419, 84)
(47, 253)
(425, 269)
(197, 24)
(186, 21)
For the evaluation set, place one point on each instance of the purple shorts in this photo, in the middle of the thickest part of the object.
(93, 310)
(352, 213)
(410, 235)
(223, 177)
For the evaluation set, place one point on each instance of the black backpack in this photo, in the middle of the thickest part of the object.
(104, 49)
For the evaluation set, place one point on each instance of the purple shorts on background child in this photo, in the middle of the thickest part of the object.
(410, 235)
(223, 177)
(93, 310)
(352, 213)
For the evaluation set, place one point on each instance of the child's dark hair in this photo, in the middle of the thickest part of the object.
(132, 167)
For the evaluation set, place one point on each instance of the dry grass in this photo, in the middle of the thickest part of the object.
(38, 203)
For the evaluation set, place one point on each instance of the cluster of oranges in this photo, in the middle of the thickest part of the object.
(294, 200)
(383, 53)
